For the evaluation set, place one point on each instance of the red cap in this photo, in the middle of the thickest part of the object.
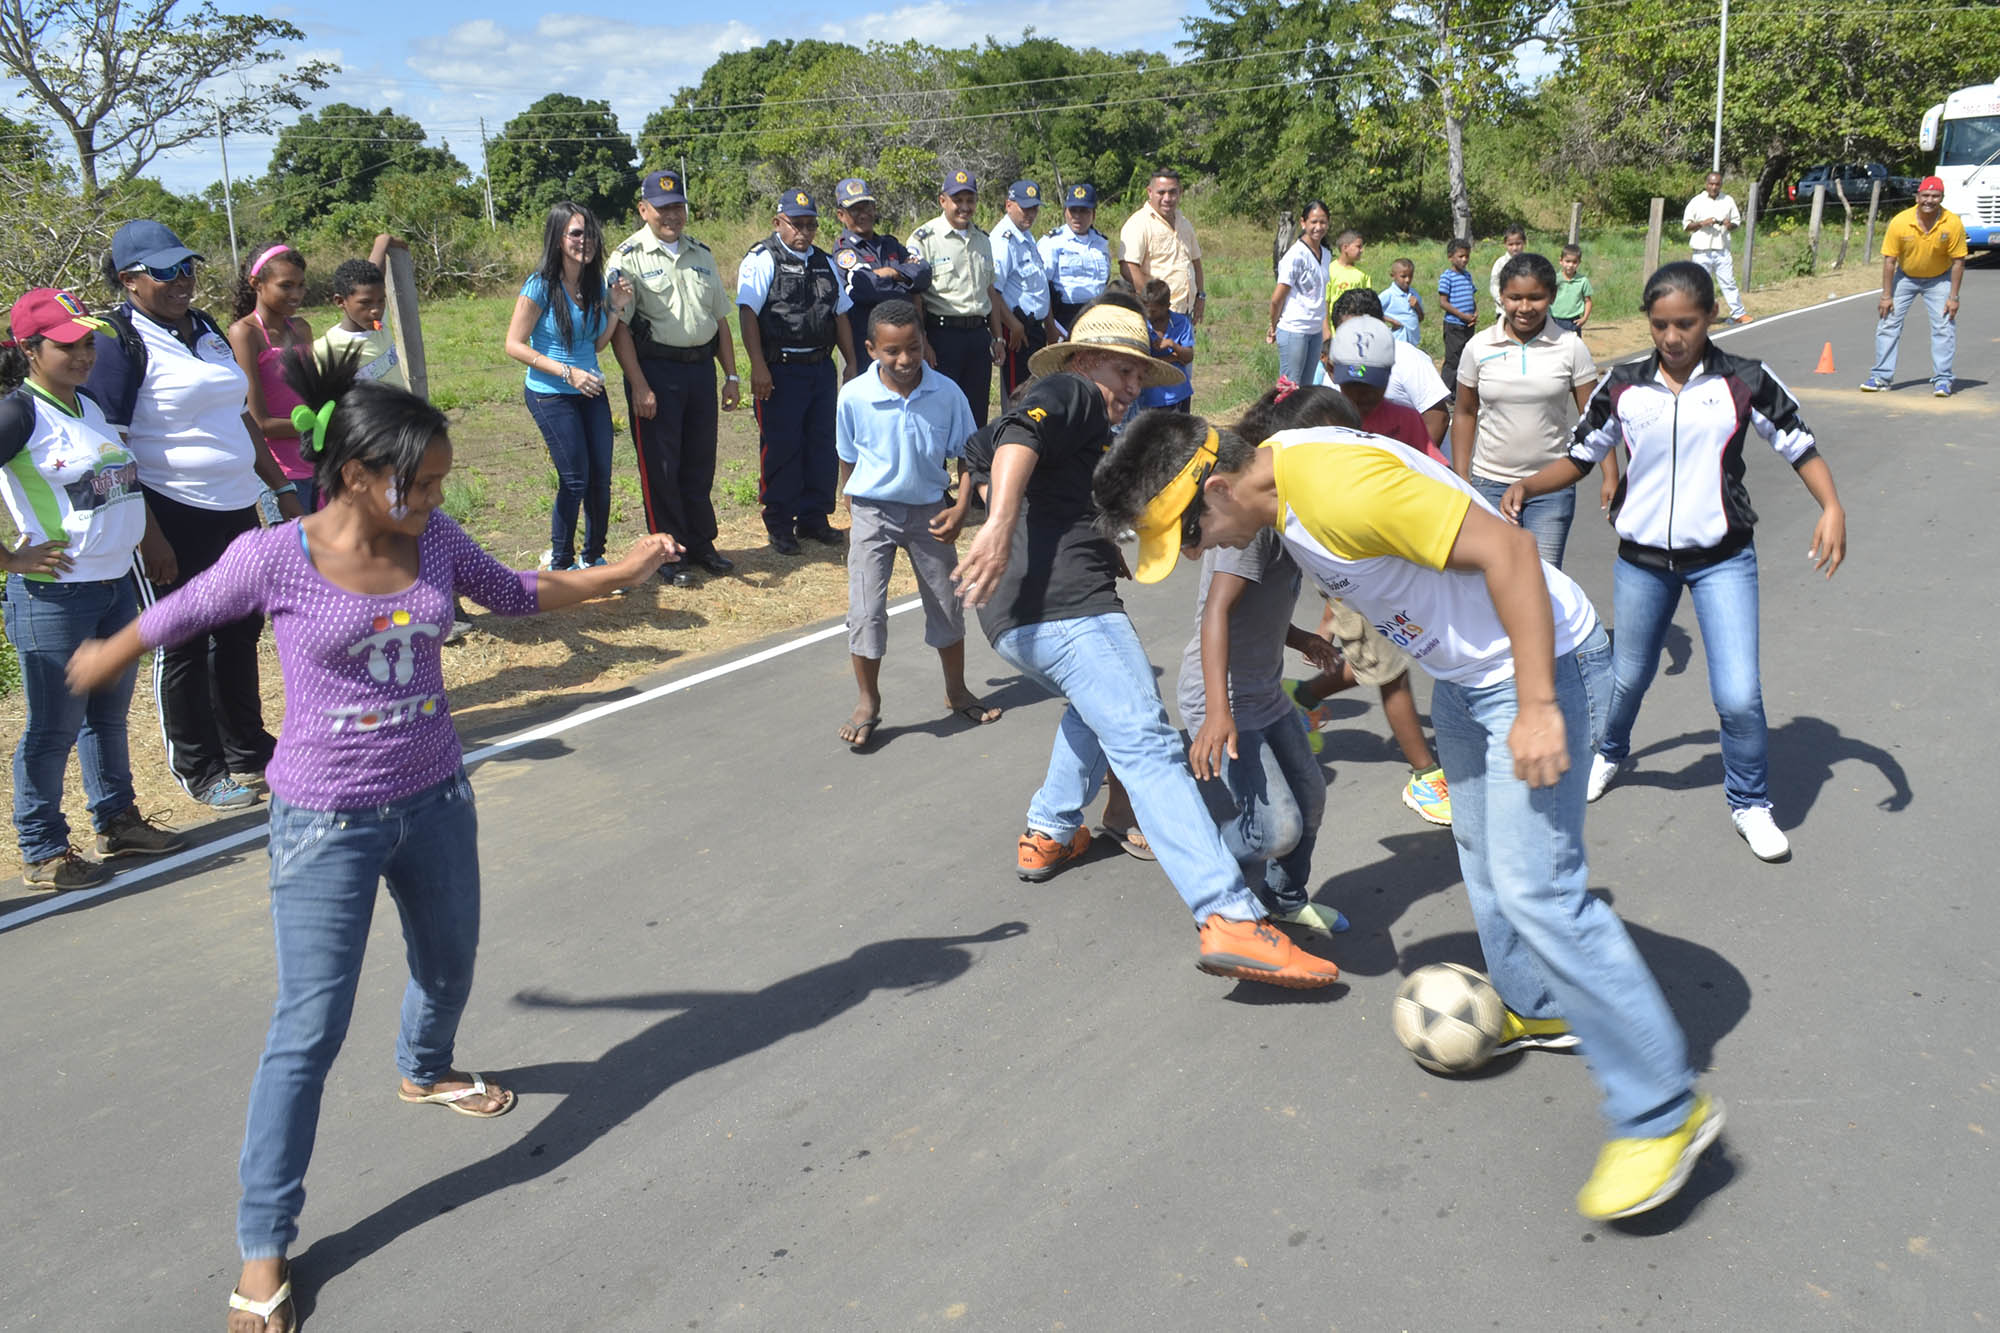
(1930, 183)
(52, 313)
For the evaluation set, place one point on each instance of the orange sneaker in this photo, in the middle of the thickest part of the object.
(1038, 856)
(1259, 951)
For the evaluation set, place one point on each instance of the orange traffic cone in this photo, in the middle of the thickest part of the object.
(1825, 366)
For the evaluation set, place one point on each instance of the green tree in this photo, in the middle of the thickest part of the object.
(337, 155)
(130, 82)
(562, 147)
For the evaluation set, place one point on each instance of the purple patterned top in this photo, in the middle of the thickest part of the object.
(366, 720)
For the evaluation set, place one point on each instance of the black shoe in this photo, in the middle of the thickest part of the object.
(824, 534)
(784, 543)
(677, 576)
(714, 562)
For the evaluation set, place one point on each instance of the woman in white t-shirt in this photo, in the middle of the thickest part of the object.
(72, 491)
(1298, 302)
(169, 384)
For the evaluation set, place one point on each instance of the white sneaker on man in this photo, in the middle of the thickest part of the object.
(1756, 827)
(1602, 773)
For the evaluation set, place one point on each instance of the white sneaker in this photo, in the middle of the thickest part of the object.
(1755, 826)
(1602, 773)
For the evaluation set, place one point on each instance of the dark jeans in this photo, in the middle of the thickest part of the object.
(1456, 336)
(1562, 323)
(577, 429)
(45, 623)
(796, 462)
(210, 706)
(677, 451)
(965, 357)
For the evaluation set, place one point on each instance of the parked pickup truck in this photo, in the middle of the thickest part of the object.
(1856, 179)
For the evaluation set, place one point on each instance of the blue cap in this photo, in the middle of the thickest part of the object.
(144, 241)
(1026, 194)
(958, 181)
(797, 204)
(661, 188)
(1080, 196)
(851, 191)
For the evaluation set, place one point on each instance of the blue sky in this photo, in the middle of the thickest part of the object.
(448, 70)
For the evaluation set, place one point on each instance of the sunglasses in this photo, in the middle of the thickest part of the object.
(577, 234)
(184, 269)
(1191, 516)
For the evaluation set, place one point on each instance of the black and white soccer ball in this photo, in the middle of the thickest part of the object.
(1448, 1017)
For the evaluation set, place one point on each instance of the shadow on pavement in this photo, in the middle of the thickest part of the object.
(1417, 865)
(1006, 693)
(1803, 752)
(707, 1030)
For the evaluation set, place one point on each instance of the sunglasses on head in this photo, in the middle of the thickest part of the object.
(184, 269)
(1191, 516)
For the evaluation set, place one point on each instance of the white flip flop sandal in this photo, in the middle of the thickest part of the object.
(265, 1309)
(452, 1100)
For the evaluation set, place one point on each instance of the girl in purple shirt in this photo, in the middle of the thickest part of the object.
(366, 784)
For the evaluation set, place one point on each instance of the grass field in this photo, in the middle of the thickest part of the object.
(501, 486)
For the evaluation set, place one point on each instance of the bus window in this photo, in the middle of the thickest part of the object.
(1969, 142)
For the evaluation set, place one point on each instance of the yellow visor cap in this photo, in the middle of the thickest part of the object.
(1159, 523)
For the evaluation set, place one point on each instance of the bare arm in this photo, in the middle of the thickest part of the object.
(1957, 277)
(986, 559)
(1829, 544)
(1435, 421)
(246, 344)
(1464, 429)
(1508, 559)
(1133, 274)
(1278, 295)
(732, 388)
(555, 589)
(753, 348)
(843, 333)
(1218, 724)
(1200, 295)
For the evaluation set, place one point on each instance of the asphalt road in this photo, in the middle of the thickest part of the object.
(797, 1051)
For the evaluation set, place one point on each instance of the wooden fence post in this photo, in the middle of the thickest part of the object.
(1654, 221)
(1749, 234)
(1812, 228)
(1874, 202)
(1575, 221)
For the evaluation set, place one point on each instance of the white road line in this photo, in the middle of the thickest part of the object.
(62, 902)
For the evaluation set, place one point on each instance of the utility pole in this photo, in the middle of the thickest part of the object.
(1721, 62)
(228, 202)
(486, 174)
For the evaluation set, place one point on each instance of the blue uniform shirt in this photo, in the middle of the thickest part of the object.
(1180, 332)
(1078, 266)
(857, 257)
(1018, 274)
(899, 445)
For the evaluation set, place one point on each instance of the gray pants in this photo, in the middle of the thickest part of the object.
(1723, 269)
(878, 529)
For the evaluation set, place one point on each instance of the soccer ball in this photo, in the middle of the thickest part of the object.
(1448, 1017)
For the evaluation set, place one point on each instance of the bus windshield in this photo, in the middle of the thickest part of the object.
(1969, 142)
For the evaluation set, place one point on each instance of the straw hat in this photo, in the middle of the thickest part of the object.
(1109, 328)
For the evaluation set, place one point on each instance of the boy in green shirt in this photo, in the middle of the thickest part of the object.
(1571, 308)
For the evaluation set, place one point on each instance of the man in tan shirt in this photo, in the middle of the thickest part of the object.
(667, 342)
(1157, 242)
(966, 320)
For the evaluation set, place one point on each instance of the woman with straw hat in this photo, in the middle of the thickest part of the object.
(1044, 582)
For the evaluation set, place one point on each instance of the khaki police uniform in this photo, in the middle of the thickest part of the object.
(958, 304)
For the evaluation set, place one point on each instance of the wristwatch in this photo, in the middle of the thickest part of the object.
(730, 379)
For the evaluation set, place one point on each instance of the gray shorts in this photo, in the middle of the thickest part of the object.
(1375, 660)
(878, 528)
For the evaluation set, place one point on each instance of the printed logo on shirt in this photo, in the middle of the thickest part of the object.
(397, 630)
(847, 258)
(114, 478)
(1407, 634)
(374, 717)
(1037, 414)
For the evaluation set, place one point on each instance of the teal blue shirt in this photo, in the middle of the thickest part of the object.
(581, 349)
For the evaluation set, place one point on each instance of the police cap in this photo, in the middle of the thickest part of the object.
(796, 203)
(661, 188)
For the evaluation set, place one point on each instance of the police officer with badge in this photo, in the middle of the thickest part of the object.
(874, 265)
(1077, 256)
(667, 342)
(969, 326)
(792, 310)
(1022, 282)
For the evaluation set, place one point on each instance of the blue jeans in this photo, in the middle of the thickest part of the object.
(325, 865)
(1298, 355)
(1546, 516)
(578, 431)
(45, 623)
(1280, 794)
(1725, 602)
(1889, 329)
(1115, 719)
(1552, 948)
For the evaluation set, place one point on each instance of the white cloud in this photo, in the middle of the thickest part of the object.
(1107, 24)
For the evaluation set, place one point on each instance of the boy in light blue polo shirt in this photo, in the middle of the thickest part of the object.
(895, 425)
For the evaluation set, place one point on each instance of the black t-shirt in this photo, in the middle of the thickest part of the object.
(1062, 567)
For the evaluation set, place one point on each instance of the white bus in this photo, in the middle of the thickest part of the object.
(1964, 131)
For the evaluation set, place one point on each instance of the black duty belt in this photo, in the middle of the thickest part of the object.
(955, 321)
(649, 350)
(787, 356)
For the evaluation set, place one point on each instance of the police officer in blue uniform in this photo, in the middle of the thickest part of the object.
(1022, 282)
(1077, 256)
(874, 265)
(792, 310)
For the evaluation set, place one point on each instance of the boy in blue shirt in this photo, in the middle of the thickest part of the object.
(1173, 341)
(895, 424)
(1460, 299)
(1402, 308)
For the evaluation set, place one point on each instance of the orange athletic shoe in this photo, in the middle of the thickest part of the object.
(1039, 856)
(1259, 951)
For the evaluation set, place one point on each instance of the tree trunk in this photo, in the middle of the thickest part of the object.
(1461, 198)
(86, 161)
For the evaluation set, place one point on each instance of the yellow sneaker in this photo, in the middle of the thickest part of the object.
(1634, 1175)
(1540, 1034)
(1429, 795)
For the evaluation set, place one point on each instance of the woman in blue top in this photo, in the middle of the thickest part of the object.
(562, 320)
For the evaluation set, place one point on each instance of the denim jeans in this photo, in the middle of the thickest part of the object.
(578, 432)
(1889, 329)
(45, 623)
(1115, 719)
(1725, 603)
(325, 865)
(1280, 794)
(1546, 516)
(1298, 355)
(1552, 948)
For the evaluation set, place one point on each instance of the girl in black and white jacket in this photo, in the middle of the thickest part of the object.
(1683, 518)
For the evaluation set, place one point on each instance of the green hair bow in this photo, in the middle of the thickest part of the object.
(311, 425)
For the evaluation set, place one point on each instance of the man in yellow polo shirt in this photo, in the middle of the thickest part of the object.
(1923, 254)
(1159, 242)
(966, 320)
(667, 342)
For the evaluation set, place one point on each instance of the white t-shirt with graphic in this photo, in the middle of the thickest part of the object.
(187, 426)
(71, 477)
(1304, 310)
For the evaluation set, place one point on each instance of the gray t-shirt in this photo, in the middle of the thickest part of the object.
(1257, 625)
